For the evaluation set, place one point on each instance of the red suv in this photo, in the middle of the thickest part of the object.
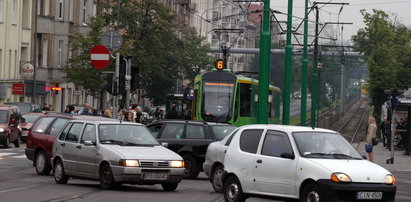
(41, 138)
(9, 120)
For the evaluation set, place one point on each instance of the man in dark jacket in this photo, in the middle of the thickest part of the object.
(172, 113)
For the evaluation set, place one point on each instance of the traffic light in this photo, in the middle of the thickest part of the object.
(122, 76)
(109, 84)
(220, 64)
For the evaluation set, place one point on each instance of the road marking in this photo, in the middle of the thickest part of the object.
(220, 200)
(19, 188)
(19, 157)
(7, 154)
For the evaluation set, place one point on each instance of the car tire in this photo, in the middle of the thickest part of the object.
(217, 180)
(233, 191)
(106, 177)
(191, 169)
(311, 192)
(169, 186)
(7, 142)
(59, 174)
(17, 142)
(41, 163)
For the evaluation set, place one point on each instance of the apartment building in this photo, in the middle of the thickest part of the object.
(15, 45)
(56, 22)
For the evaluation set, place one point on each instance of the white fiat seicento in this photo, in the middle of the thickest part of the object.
(291, 162)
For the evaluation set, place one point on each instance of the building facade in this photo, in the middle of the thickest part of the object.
(15, 46)
(56, 22)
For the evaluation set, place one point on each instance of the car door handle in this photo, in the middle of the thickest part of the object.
(259, 161)
(62, 143)
(78, 146)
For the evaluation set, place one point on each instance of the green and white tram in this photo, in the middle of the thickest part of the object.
(224, 97)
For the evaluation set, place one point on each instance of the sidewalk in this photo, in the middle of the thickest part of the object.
(401, 162)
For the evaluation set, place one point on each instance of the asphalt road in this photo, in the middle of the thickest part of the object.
(19, 182)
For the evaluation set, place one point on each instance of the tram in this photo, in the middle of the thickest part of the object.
(224, 97)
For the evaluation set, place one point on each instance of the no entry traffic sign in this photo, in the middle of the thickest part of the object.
(100, 57)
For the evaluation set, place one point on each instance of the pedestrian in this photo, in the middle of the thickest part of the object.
(160, 115)
(386, 132)
(157, 113)
(71, 109)
(129, 117)
(371, 133)
(172, 113)
(45, 107)
(86, 110)
(137, 113)
(187, 114)
(109, 112)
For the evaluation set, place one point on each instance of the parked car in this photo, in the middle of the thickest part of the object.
(114, 153)
(9, 120)
(27, 122)
(189, 139)
(26, 107)
(303, 163)
(42, 136)
(213, 165)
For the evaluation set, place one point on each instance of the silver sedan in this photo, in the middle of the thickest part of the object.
(114, 153)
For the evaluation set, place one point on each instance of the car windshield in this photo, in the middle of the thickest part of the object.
(221, 131)
(324, 145)
(30, 118)
(126, 135)
(3, 116)
(24, 108)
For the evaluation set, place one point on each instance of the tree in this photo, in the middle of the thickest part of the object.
(78, 68)
(149, 30)
(386, 45)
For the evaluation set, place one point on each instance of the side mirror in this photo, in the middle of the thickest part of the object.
(287, 155)
(364, 157)
(88, 143)
(164, 144)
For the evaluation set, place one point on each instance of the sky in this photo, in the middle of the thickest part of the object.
(349, 14)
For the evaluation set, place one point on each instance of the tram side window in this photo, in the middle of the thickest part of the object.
(245, 97)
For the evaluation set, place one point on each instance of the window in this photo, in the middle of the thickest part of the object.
(42, 124)
(61, 10)
(57, 126)
(276, 143)
(221, 131)
(39, 6)
(155, 129)
(1, 10)
(64, 133)
(4, 116)
(74, 132)
(245, 96)
(14, 13)
(26, 9)
(249, 140)
(60, 53)
(231, 137)
(89, 133)
(71, 11)
(46, 7)
(84, 11)
(195, 132)
(45, 52)
(173, 131)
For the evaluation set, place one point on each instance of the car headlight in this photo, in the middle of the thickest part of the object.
(389, 179)
(177, 164)
(1, 130)
(128, 163)
(340, 177)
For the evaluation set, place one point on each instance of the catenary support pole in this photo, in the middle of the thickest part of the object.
(287, 67)
(304, 71)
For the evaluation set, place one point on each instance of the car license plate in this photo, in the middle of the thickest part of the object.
(155, 176)
(369, 195)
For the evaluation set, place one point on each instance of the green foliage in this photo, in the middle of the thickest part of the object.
(149, 35)
(386, 46)
(78, 68)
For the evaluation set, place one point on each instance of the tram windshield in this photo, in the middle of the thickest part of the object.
(217, 102)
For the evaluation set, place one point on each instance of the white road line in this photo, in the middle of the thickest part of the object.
(19, 157)
(7, 154)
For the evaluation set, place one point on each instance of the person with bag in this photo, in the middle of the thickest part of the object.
(371, 133)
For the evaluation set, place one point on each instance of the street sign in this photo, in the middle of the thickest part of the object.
(27, 71)
(18, 89)
(112, 40)
(100, 57)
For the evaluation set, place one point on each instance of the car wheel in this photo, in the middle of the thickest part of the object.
(216, 179)
(7, 142)
(42, 165)
(311, 193)
(191, 170)
(169, 186)
(17, 142)
(59, 175)
(106, 177)
(233, 191)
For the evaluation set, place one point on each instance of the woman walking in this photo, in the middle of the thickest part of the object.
(371, 133)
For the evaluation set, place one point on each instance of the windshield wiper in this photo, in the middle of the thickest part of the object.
(343, 156)
(111, 142)
(135, 144)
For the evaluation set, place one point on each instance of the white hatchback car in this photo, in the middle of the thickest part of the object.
(292, 162)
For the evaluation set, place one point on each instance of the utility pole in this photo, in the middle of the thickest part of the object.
(287, 68)
(304, 71)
